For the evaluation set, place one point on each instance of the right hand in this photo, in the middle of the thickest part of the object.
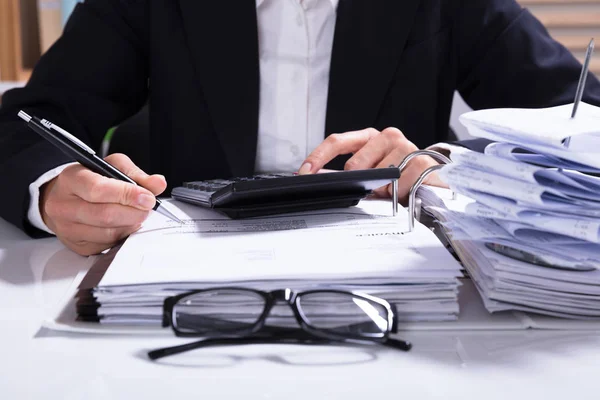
(90, 213)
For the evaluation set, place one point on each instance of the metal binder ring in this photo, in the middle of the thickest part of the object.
(434, 154)
(394, 194)
(438, 156)
(413, 194)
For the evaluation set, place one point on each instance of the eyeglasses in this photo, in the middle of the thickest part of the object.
(231, 315)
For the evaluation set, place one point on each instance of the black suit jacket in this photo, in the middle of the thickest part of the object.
(394, 63)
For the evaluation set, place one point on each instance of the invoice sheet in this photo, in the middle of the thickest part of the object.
(362, 242)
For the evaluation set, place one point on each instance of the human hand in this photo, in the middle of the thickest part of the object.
(374, 149)
(90, 213)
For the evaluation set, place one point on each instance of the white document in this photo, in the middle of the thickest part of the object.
(579, 228)
(533, 234)
(583, 227)
(340, 244)
(518, 153)
(510, 209)
(485, 229)
(542, 197)
(549, 127)
(587, 157)
(586, 187)
(554, 248)
(361, 248)
(509, 284)
(473, 317)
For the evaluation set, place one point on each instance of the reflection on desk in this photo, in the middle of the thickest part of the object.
(35, 274)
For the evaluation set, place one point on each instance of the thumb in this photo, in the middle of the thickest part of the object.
(155, 183)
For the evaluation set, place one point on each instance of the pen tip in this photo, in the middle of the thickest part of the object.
(163, 210)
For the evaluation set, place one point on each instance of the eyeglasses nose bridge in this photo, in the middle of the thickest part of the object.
(286, 295)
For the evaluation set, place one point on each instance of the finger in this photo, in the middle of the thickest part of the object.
(124, 164)
(102, 215)
(376, 149)
(335, 145)
(94, 188)
(434, 179)
(155, 183)
(82, 235)
(394, 158)
(402, 149)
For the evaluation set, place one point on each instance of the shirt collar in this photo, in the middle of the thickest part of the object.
(334, 3)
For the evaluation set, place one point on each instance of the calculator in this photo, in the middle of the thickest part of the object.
(277, 193)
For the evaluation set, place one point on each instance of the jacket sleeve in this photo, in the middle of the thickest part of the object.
(506, 58)
(92, 78)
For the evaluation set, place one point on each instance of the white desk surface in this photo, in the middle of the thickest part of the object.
(36, 363)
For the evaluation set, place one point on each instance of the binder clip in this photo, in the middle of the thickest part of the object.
(414, 204)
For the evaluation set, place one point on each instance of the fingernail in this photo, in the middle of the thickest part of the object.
(305, 169)
(146, 201)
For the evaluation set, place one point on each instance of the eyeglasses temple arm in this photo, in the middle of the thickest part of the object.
(398, 344)
(170, 351)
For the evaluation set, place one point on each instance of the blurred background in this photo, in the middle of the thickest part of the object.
(29, 27)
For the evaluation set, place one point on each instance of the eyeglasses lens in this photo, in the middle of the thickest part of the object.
(218, 312)
(344, 315)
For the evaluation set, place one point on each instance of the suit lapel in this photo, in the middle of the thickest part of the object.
(223, 41)
(368, 42)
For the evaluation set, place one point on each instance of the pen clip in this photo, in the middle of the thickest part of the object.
(67, 135)
(50, 126)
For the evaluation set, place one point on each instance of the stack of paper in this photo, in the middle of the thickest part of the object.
(360, 248)
(528, 219)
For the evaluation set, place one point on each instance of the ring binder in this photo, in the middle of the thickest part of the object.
(438, 156)
(413, 194)
(413, 211)
(395, 192)
(434, 154)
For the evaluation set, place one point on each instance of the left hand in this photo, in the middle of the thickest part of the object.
(374, 149)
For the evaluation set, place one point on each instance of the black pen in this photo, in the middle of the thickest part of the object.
(87, 157)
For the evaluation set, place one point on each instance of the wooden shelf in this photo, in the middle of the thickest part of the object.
(19, 39)
(25, 74)
(562, 19)
(11, 64)
(19, 48)
(573, 42)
